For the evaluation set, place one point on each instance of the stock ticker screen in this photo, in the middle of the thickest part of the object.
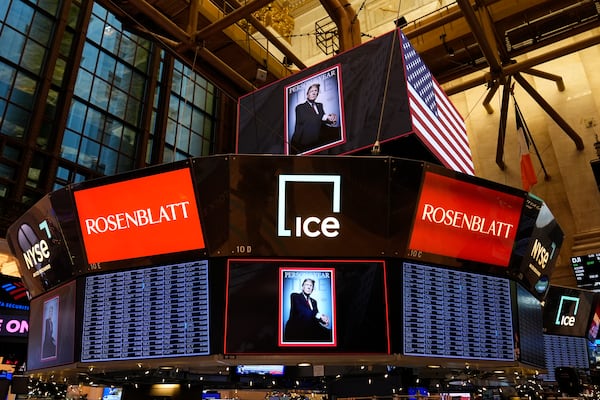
(587, 271)
(456, 314)
(152, 312)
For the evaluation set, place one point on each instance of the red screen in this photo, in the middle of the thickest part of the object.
(465, 221)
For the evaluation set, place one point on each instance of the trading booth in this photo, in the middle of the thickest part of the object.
(173, 271)
(198, 262)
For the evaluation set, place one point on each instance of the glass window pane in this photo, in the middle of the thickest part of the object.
(44, 134)
(122, 76)
(141, 59)
(11, 43)
(100, 93)
(7, 171)
(65, 44)
(2, 109)
(7, 77)
(196, 145)
(125, 164)
(3, 9)
(59, 72)
(62, 173)
(108, 161)
(73, 16)
(94, 124)
(23, 91)
(89, 57)
(49, 5)
(20, 16)
(118, 102)
(132, 114)
(112, 137)
(88, 154)
(185, 117)
(129, 136)
(76, 117)
(15, 121)
(83, 84)
(138, 85)
(33, 57)
(209, 103)
(111, 39)
(171, 133)
(12, 153)
(41, 29)
(106, 66)
(95, 30)
(70, 146)
(183, 138)
(173, 107)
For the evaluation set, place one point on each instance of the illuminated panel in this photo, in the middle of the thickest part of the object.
(461, 220)
(36, 239)
(563, 351)
(456, 314)
(587, 271)
(267, 313)
(529, 339)
(52, 328)
(567, 311)
(149, 312)
(140, 217)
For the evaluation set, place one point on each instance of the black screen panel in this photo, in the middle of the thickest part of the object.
(350, 293)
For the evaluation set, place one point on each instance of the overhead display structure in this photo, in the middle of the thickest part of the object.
(379, 92)
(344, 224)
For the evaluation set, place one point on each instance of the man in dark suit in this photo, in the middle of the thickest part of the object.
(306, 323)
(313, 127)
(49, 345)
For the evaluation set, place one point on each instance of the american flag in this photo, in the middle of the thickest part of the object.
(435, 119)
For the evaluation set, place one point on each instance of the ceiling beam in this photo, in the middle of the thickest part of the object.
(485, 44)
(525, 64)
(230, 19)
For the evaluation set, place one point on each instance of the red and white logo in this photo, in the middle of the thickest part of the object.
(466, 221)
(140, 217)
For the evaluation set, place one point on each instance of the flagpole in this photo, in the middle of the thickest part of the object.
(526, 131)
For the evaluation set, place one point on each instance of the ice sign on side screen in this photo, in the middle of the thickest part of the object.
(567, 311)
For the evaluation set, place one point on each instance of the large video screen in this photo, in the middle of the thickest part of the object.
(567, 311)
(292, 306)
(456, 314)
(561, 351)
(159, 311)
(459, 220)
(529, 333)
(140, 217)
(308, 207)
(36, 239)
(52, 328)
(537, 245)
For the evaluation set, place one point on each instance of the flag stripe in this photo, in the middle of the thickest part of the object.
(423, 127)
(435, 119)
(460, 130)
(434, 133)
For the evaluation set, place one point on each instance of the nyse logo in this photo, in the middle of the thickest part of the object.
(567, 311)
(35, 250)
(310, 226)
